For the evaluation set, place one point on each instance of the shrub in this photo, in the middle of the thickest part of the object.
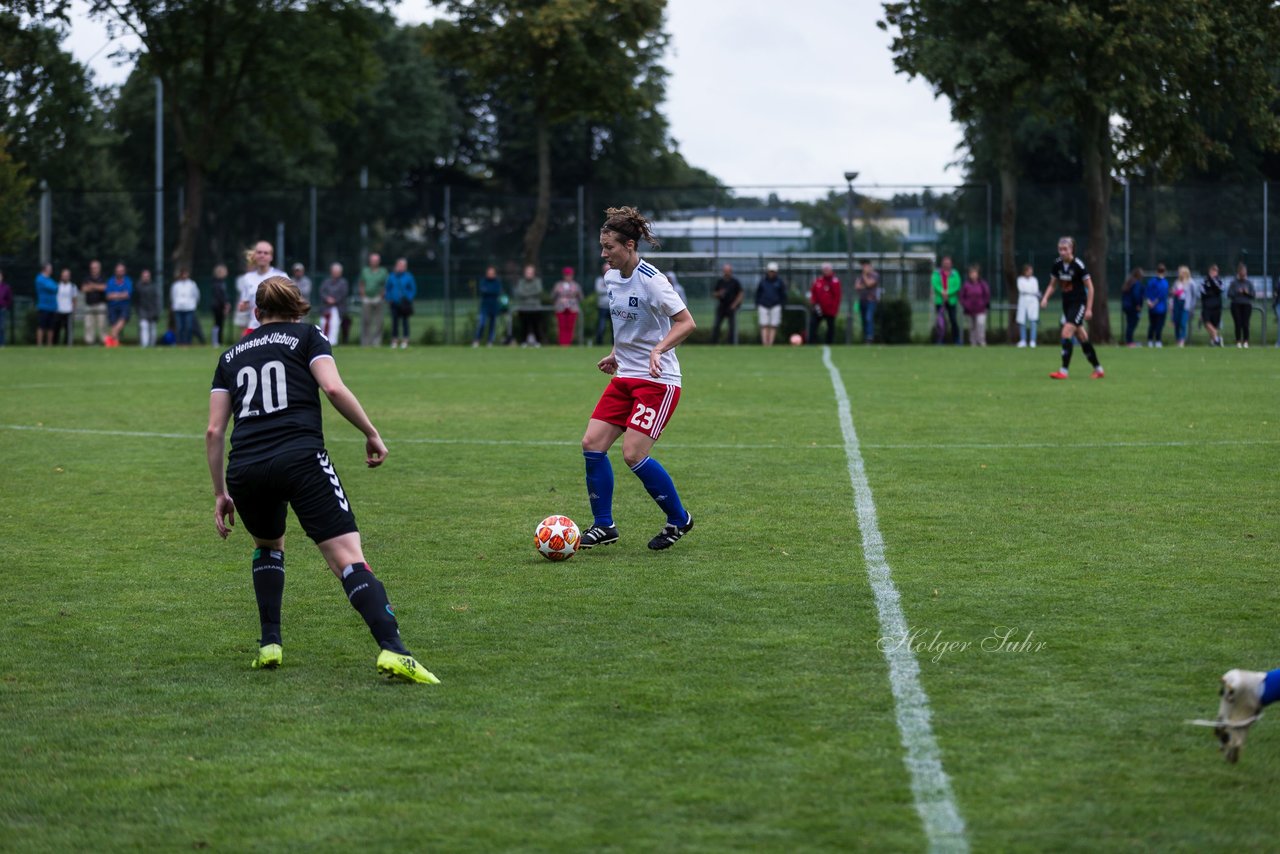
(893, 321)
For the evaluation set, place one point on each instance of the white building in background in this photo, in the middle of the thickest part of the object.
(754, 230)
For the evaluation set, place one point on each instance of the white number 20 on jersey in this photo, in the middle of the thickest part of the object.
(643, 417)
(275, 395)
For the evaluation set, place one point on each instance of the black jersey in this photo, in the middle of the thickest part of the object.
(275, 400)
(1071, 278)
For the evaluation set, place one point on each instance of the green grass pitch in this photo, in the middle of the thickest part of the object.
(727, 694)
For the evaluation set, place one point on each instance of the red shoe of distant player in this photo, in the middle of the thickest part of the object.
(109, 341)
(1058, 375)
(1097, 374)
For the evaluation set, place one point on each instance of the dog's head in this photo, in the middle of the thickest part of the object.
(1241, 693)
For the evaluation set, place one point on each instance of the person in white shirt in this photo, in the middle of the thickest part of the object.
(1028, 306)
(184, 299)
(260, 270)
(649, 320)
(67, 292)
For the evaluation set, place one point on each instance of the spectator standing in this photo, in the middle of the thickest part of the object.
(1211, 306)
(372, 288)
(6, 309)
(148, 299)
(1240, 294)
(528, 308)
(602, 304)
(1156, 295)
(867, 289)
(567, 298)
(975, 299)
(402, 290)
(490, 305)
(946, 292)
(301, 281)
(334, 293)
(671, 277)
(119, 305)
(219, 304)
(46, 306)
(1182, 300)
(260, 269)
(67, 291)
(1131, 296)
(824, 303)
(1028, 316)
(771, 296)
(94, 292)
(184, 299)
(728, 294)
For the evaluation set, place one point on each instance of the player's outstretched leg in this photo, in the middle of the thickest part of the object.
(367, 595)
(1061, 373)
(600, 492)
(663, 491)
(268, 588)
(1092, 356)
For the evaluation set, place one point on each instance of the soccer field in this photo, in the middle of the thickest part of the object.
(730, 693)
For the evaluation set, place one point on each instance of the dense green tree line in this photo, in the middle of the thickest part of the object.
(520, 99)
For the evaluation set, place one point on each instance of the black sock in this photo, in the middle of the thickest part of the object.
(1089, 354)
(1067, 345)
(268, 587)
(367, 595)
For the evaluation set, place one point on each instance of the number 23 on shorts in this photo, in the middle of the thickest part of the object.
(643, 417)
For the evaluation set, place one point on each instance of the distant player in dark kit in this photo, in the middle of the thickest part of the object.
(649, 320)
(1071, 276)
(270, 381)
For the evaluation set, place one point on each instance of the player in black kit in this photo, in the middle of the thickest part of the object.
(270, 381)
(1070, 274)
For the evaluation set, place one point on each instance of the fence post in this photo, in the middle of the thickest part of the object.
(158, 273)
(1265, 277)
(280, 244)
(311, 258)
(46, 224)
(448, 239)
(582, 261)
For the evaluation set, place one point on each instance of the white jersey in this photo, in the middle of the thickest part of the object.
(642, 307)
(247, 285)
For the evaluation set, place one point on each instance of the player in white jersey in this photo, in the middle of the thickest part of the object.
(649, 320)
(260, 270)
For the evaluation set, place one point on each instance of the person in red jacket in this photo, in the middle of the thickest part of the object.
(824, 304)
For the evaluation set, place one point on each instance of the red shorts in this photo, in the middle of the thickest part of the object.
(634, 404)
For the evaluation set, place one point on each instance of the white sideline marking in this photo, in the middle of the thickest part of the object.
(930, 786)
(730, 446)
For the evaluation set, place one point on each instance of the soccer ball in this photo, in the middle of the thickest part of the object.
(556, 538)
(796, 339)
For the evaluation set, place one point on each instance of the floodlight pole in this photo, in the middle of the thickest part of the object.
(849, 178)
(158, 275)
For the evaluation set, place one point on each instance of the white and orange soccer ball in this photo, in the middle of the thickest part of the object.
(556, 538)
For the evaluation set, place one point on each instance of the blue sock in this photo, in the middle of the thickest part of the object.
(1271, 688)
(600, 487)
(658, 483)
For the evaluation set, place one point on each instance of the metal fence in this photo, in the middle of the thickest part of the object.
(450, 234)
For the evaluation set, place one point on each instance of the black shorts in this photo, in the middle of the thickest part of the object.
(1212, 315)
(264, 491)
(1074, 313)
(48, 320)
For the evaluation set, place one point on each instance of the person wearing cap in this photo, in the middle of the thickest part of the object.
(567, 295)
(301, 279)
(771, 296)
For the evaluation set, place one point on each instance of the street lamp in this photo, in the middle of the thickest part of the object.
(849, 178)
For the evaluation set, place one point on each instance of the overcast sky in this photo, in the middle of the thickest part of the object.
(764, 93)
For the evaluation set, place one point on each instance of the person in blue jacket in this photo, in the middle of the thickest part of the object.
(1156, 294)
(1131, 304)
(402, 290)
(490, 306)
(46, 306)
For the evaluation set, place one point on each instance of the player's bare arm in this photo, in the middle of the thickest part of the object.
(682, 327)
(1048, 292)
(1088, 298)
(326, 374)
(215, 436)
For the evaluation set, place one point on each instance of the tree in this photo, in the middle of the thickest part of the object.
(1144, 84)
(554, 64)
(226, 64)
(15, 192)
